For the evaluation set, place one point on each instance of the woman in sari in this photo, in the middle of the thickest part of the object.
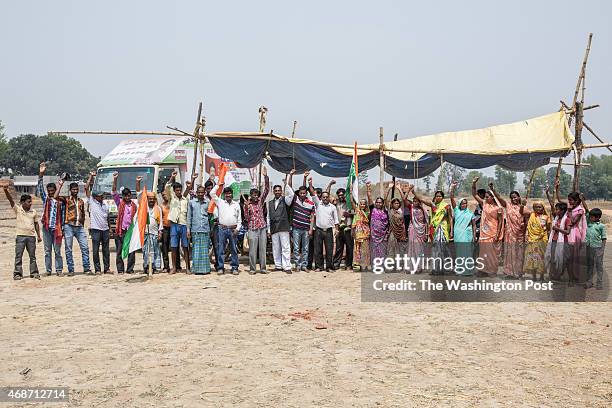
(397, 244)
(490, 232)
(577, 234)
(361, 236)
(441, 227)
(379, 225)
(538, 227)
(464, 231)
(418, 228)
(514, 235)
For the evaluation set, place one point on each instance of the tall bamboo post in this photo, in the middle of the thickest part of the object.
(381, 150)
(393, 177)
(578, 140)
(196, 139)
(579, 114)
(262, 125)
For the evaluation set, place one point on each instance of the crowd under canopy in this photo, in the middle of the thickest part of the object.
(517, 146)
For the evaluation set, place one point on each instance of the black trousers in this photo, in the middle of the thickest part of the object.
(324, 237)
(344, 239)
(165, 247)
(100, 238)
(119, 261)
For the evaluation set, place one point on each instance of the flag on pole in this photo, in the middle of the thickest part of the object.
(133, 240)
(352, 183)
(226, 179)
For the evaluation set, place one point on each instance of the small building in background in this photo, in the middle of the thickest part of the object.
(27, 184)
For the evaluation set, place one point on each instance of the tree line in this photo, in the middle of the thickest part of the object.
(22, 155)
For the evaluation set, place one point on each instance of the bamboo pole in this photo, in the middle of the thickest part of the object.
(196, 139)
(116, 132)
(530, 184)
(593, 133)
(583, 70)
(578, 143)
(393, 178)
(381, 153)
(262, 125)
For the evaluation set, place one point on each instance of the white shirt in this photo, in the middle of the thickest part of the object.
(229, 213)
(326, 215)
(98, 215)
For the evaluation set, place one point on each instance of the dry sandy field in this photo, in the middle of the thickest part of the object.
(296, 340)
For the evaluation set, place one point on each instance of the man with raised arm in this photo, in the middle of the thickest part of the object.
(99, 228)
(74, 225)
(51, 221)
(177, 216)
(326, 221)
(126, 211)
(26, 229)
(278, 224)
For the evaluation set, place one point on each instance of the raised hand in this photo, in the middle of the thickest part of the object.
(42, 167)
(139, 178)
(309, 180)
(292, 172)
(454, 184)
(475, 180)
(523, 202)
(491, 187)
(194, 176)
(306, 174)
(93, 174)
(264, 171)
(582, 197)
(368, 185)
(332, 182)
(547, 189)
(115, 175)
(173, 175)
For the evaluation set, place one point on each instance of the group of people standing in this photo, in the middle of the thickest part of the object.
(307, 226)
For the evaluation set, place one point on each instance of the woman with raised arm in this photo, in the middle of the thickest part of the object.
(398, 243)
(538, 228)
(514, 234)
(441, 229)
(361, 233)
(418, 229)
(490, 232)
(464, 231)
(379, 226)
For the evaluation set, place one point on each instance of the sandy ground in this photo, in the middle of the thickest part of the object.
(295, 341)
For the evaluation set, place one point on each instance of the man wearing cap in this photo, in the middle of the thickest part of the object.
(98, 226)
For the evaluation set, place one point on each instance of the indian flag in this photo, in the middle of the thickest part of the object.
(352, 183)
(226, 179)
(134, 236)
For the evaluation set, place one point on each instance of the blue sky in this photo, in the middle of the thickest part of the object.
(341, 69)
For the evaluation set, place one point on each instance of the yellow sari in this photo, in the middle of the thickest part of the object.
(537, 237)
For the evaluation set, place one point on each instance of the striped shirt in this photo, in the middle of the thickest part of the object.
(302, 212)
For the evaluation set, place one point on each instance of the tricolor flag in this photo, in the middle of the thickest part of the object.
(226, 179)
(352, 183)
(133, 240)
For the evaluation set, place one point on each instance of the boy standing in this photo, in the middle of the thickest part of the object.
(596, 244)
(26, 227)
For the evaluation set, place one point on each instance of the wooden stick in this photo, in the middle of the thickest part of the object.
(595, 146)
(262, 125)
(196, 132)
(393, 178)
(115, 132)
(529, 185)
(293, 146)
(381, 163)
(593, 133)
(582, 70)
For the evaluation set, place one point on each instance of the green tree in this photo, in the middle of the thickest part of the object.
(505, 180)
(565, 180)
(538, 184)
(596, 180)
(449, 173)
(62, 154)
